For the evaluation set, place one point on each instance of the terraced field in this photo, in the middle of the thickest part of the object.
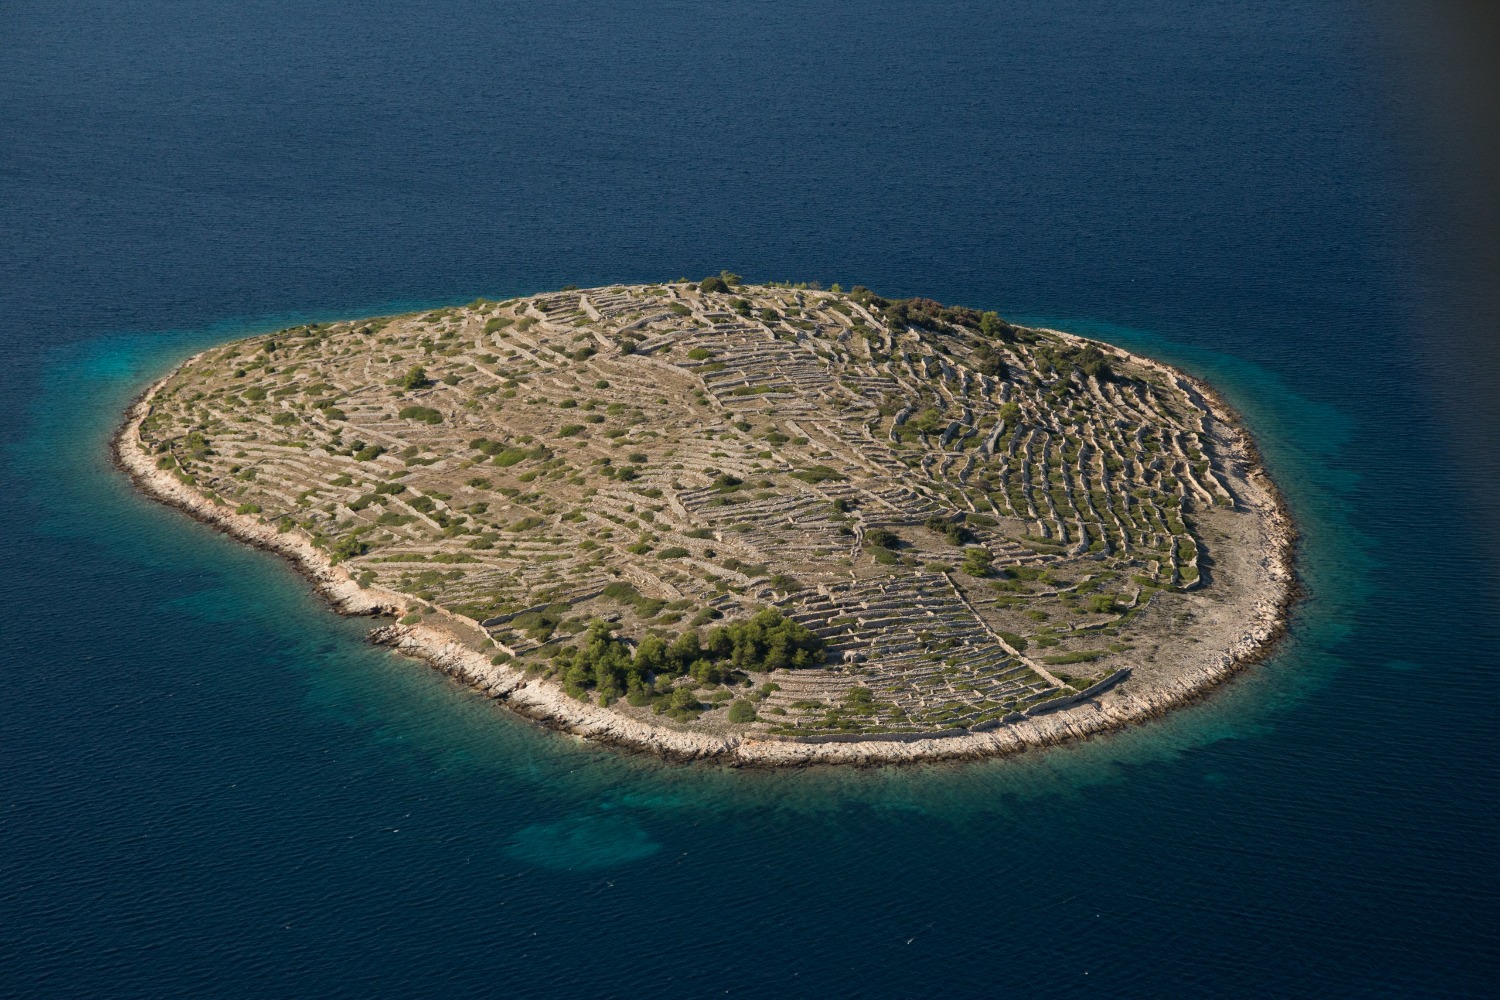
(972, 522)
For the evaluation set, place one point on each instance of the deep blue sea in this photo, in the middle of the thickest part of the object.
(211, 786)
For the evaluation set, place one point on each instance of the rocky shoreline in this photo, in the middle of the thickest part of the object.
(531, 696)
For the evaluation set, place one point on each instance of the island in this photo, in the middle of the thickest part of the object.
(756, 523)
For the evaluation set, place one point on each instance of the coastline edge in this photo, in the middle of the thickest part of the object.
(544, 703)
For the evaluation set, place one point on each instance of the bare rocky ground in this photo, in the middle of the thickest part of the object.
(1002, 537)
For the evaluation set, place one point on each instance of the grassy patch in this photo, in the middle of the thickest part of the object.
(1081, 656)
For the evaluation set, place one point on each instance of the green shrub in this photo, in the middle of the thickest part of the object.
(683, 702)
(929, 421)
(741, 712)
(713, 284)
(818, 474)
(953, 531)
(488, 447)
(705, 616)
(423, 413)
(977, 561)
(1101, 604)
(995, 328)
(625, 593)
(347, 548)
(1091, 361)
(1017, 642)
(511, 456)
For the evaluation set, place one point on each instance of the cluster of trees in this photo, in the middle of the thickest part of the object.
(1091, 361)
(197, 446)
(927, 314)
(932, 315)
(1087, 360)
(604, 664)
(347, 547)
(988, 361)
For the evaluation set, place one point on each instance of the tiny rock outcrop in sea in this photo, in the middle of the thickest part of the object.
(765, 524)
